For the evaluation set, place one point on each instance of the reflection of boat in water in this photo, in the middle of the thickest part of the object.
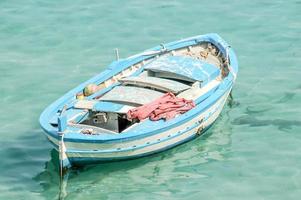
(49, 178)
(93, 126)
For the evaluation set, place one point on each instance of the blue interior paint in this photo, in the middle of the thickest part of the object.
(69, 113)
(107, 106)
(62, 123)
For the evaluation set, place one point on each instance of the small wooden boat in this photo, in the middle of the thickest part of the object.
(87, 127)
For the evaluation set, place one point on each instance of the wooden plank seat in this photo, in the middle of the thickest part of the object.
(156, 83)
(131, 95)
(96, 105)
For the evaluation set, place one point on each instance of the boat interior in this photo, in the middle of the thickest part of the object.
(184, 72)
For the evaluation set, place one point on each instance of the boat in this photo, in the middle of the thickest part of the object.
(90, 125)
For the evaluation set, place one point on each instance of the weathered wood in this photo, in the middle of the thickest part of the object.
(156, 83)
(85, 104)
(131, 95)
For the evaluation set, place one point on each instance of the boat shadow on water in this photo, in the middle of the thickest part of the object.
(281, 124)
(252, 118)
(212, 146)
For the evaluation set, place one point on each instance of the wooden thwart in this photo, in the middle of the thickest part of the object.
(156, 83)
(131, 95)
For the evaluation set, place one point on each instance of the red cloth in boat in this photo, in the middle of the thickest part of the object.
(165, 107)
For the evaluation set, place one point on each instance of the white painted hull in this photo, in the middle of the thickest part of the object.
(94, 152)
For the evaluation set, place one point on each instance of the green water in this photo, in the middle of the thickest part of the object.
(252, 152)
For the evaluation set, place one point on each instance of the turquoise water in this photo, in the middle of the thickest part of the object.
(253, 150)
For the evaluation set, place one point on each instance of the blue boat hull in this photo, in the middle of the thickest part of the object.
(81, 149)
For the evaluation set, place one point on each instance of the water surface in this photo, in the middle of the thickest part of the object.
(253, 150)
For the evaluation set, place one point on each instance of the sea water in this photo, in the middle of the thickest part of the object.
(252, 152)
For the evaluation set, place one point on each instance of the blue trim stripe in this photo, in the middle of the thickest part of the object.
(90, 160)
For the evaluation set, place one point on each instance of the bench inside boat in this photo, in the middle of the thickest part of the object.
(176, 74)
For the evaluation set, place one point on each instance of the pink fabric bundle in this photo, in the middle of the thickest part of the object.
(165, 107)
